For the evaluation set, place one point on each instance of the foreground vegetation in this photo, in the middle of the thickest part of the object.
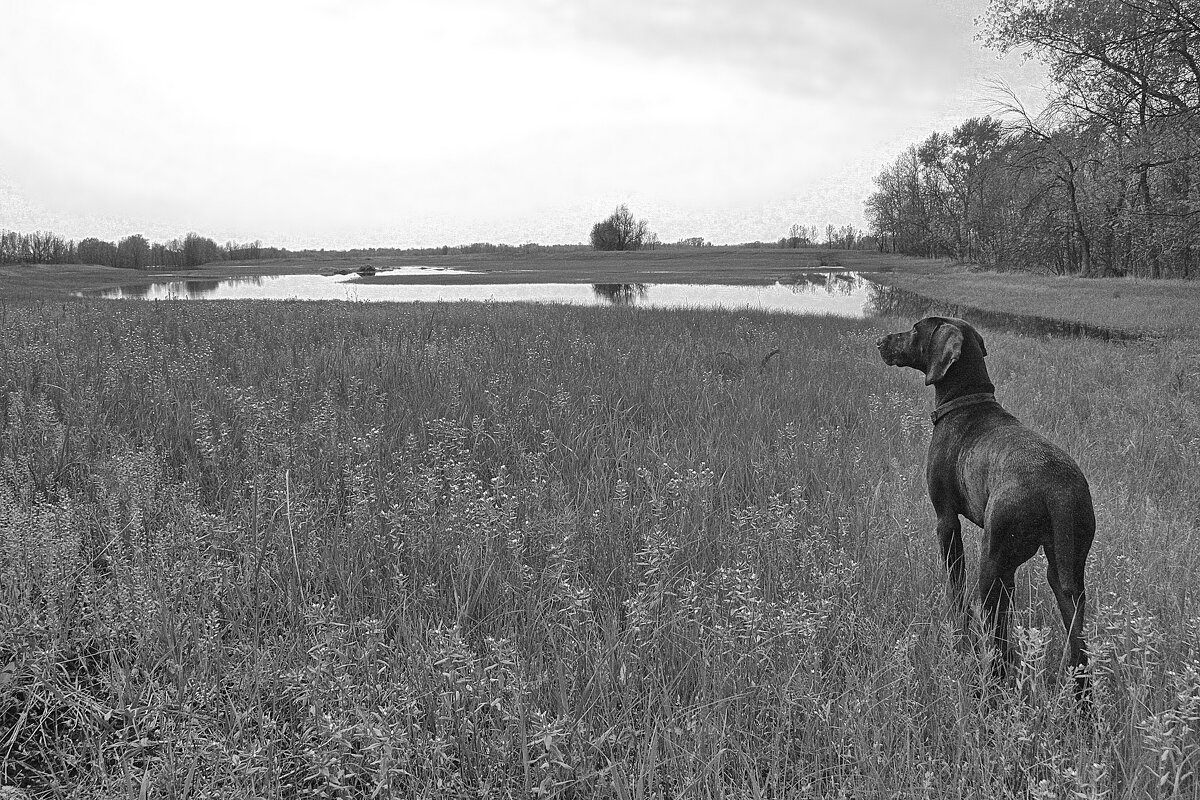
(294, 550)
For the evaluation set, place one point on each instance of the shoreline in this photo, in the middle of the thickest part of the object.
(1132, 307)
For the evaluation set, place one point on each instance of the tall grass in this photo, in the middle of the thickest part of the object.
(335, 550)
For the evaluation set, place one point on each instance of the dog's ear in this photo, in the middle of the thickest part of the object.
(945, 347)
(979, 341)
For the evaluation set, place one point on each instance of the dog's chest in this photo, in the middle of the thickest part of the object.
(959, 472)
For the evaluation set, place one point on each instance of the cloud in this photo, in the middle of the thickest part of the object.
(890, 52)
(383, 118)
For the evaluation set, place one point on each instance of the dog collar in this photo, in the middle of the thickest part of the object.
(961, 402)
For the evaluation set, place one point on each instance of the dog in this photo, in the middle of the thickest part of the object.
(1024, 491)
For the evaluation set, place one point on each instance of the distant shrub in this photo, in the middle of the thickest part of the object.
(620, 231)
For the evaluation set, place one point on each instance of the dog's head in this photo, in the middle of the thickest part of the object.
(933, 346)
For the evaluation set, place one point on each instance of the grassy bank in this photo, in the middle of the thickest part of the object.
(297, 550)
(1136, 306)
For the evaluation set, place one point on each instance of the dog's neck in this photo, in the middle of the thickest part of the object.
(967, 376)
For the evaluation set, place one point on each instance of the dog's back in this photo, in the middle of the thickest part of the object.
(984, 458)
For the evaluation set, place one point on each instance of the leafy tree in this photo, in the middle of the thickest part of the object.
(620, 231)
(95, 251)
(199, 250)
(1119, 144)
(133, 252)
(1146, 50)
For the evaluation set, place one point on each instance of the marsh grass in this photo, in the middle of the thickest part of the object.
(337, 550)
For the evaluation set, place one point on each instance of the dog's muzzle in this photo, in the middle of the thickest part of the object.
(886, 351)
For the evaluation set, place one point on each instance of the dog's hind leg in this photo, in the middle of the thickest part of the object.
(1074, 527)
(1010, 538)
(1071, 599)
(996, 583)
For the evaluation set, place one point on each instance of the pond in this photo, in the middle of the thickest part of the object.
(839, 293)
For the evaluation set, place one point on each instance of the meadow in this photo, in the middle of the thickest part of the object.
(257, 549)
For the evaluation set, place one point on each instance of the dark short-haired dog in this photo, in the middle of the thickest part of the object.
(1021, 489)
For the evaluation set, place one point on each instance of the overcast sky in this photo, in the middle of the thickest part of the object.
(394, 123)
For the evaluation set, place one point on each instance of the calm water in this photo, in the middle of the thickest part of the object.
(844, 294)
(839, 293)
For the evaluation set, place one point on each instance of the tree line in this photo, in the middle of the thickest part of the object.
(621, 230)
(845, 237)
(1104, 182)
(131, 252)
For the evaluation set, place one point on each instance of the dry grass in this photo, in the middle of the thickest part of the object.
(334, 550)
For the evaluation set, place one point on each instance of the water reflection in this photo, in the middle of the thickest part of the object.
(839, 283)
(845, 294)
(140, 291)
(186, 289)
(199, 287)
(811, 293)
(620, 294)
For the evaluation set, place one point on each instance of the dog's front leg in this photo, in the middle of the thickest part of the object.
(949, 531)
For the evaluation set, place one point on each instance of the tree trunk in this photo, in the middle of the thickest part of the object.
(1148, 217)
(1081, 237)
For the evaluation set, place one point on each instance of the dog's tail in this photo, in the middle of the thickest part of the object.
(1074, 526)
(1073, 521)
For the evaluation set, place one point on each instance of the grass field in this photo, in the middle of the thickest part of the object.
(262, 549)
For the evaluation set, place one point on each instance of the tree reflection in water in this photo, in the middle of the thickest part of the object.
(201, 286)
(620, 294)
(839, 283)
(136, 291)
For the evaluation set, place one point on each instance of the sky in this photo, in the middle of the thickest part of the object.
(395, 123)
